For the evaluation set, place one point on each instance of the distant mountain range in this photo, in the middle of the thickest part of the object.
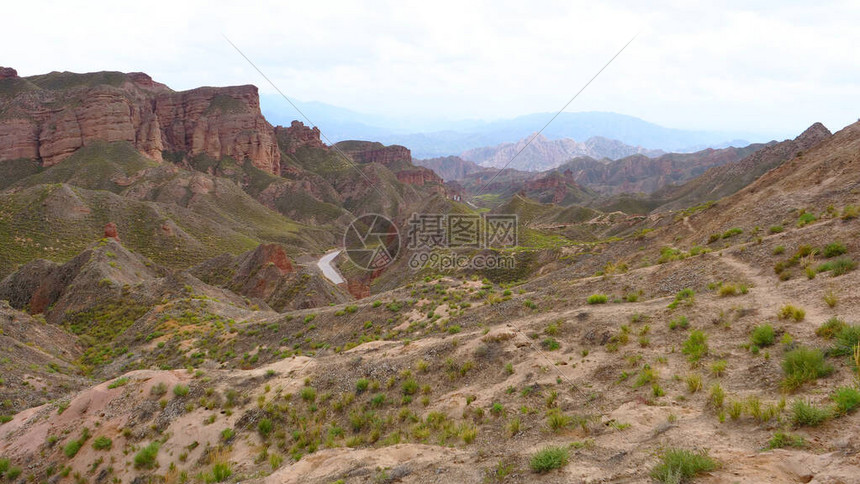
(430, 138)
(538, 153)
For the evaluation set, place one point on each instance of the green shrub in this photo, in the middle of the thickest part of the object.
(846, 339)
(145, 457)
(762, 335)
(802, 365)
(550, 344)
(806, 218)
(776, 229)
(732, 232)
(694, 382)
(102, 443)
(4, 465)
(847, 399)
(807, 414)
(71, 449)
(727, 290)
(647, 375)
(118, 383)
(394, 306)
(597, 299)
(497, 409)
(696, 346)
(549, 458)
(781, 440)
(838, 267)
(831, 328)
(308, 394)
(264, 426)
(221, 471)
(13, 473)
(718, 368)
(830, 298)
(361, 385)
(680, 322)
(180, 390)
(681, 465)
(556, 420)
(410, 386)
(377, 400)
(779, 249)
(834, 249)
(791, 312)
(684, 296)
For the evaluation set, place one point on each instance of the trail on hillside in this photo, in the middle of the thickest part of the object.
(767, 290)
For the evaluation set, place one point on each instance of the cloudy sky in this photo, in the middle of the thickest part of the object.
(772, 69)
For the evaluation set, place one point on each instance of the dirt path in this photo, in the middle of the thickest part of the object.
(689, 225)
(768, 292)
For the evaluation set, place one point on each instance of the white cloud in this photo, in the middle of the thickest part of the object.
(776, 68)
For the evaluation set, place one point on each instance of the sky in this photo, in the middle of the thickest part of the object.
(771, 67)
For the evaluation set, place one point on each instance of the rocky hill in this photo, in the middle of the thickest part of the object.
(47, 117)
(730, 177)
(642, 174)
(450, 168)
(544, 154)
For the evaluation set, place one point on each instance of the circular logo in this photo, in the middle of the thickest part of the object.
(371, 241)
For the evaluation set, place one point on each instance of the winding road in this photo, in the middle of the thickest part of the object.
(328, 270)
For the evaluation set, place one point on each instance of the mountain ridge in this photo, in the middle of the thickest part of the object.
(538, 153)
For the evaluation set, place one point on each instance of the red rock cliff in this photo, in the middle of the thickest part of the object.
(369, 152)
(297, 136)
(419, 176)
(48, 117)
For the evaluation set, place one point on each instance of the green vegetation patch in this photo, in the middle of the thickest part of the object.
(682, 465)
(549, 458)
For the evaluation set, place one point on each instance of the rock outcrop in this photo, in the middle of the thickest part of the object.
(110, 231)
(8, 73)
(419, 176)
(370, 152)
(296, 136)
(47, 118)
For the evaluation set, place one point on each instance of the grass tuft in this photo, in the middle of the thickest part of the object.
(696, 346)
(803, 365)
(781, 440)
(791, 312)
(847, 399)
(807, 414)
(549, 458)
(681, 465)
(145, 457)
(762, 335)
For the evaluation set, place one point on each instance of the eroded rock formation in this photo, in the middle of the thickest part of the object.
(48, 117)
